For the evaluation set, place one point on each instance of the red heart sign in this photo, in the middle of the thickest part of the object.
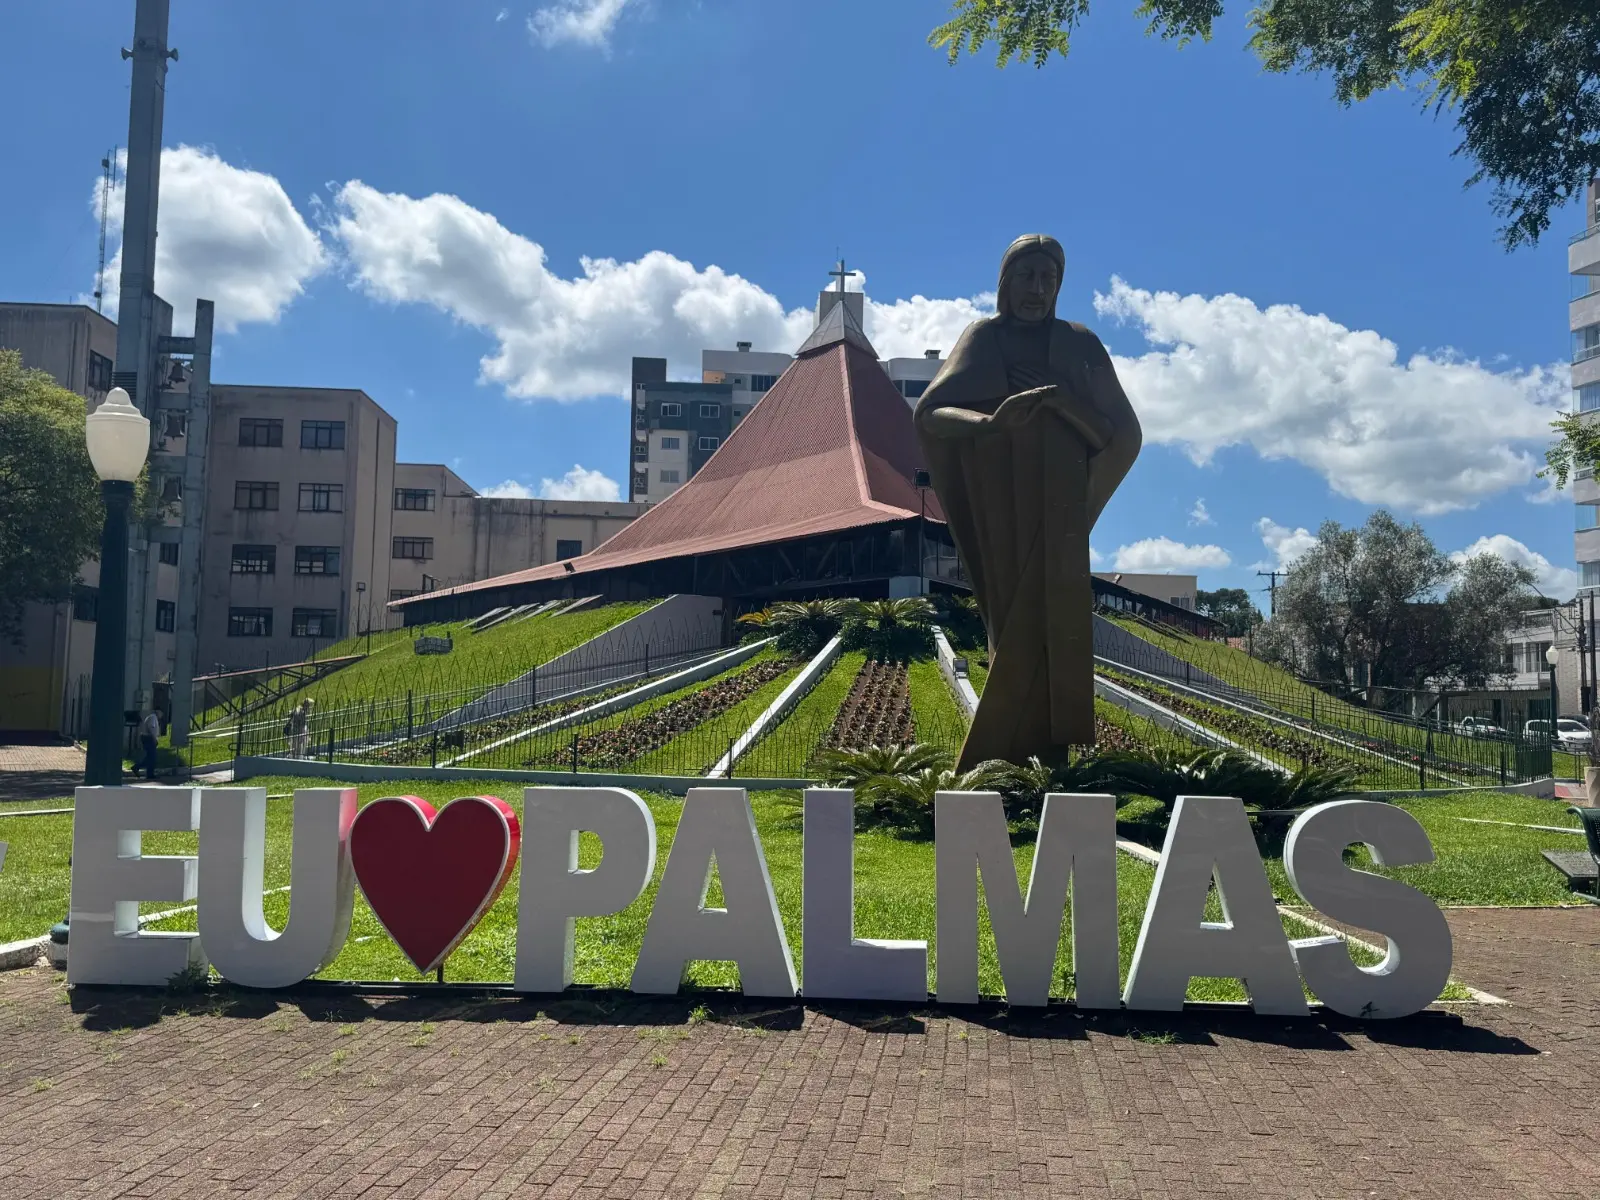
(429, 876)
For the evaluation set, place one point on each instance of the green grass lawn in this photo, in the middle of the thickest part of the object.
(698, 749)
(894, 885)
(787, 751)
(934, 712)
(1282, 690)
(482, 659)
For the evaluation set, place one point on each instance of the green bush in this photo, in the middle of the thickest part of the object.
(892, 630)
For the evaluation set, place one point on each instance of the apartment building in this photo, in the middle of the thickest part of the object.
(677, 426)
(1177, 590)
(298, 515)
(445, 534)
(1583, 318)
(44, 678)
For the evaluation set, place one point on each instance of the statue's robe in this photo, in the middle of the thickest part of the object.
(1021, 503)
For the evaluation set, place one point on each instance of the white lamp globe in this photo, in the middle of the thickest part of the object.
(1551, 657)
(118, 435)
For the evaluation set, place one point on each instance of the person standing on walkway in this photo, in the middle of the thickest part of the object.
(299, 729)
(149, 734)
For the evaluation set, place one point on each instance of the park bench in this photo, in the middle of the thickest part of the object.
(1581, 866)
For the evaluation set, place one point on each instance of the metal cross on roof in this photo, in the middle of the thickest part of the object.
(842, 274)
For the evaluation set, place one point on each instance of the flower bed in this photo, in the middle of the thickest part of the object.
(610, 748)
(877, 712)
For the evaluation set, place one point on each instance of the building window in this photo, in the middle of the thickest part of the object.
(711, 410)
(568, 548)
(169, 553)
(255, 560)
(99, 372)
(671, 443)
(322, 435)
(85, 603)
(1589, 575)
(256, 495)
(249, 622)
(710, 443)
(671, 409)
(761, 383)
(166, 616)
(1588, 516)
(669, 476)
(1585, 343)
(1533, 657)
(1588, 397)
(641, 482)
(316, 560)
(402, 593)
(912, 388)
(260, 431)
(313, 623)
(414, 499)
(322, 497)
(419, 549)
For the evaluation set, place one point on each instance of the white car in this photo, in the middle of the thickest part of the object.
(1570, 732)
(1479, 727)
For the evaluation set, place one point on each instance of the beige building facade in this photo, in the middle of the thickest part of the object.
(1178, 590)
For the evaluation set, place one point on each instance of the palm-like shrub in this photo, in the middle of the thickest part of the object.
(1166, 774)
(805, 626)
(962, 622)
(1026, 787)
(892, 629)
(852, 768)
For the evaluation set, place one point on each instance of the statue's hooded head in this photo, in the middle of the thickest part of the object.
(1030, 278)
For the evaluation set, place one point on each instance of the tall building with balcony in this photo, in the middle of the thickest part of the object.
(1583, 262)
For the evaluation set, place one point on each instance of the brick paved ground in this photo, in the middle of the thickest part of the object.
(111, 1095)
(39, 770)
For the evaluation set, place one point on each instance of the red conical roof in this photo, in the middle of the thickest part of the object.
(829, 447)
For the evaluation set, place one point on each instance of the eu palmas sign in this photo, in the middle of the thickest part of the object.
(430, 876)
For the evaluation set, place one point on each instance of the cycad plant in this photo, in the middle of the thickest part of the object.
(962, 622)
(805, 626)
(894, 630)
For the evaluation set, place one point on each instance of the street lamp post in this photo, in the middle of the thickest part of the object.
(1551, 657)
(118, 437)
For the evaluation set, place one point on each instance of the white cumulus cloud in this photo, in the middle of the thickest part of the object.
(509, 490)
(1198, 515)
(225, 234)
(1159, 554)
(1287, 546)
(1559, 583)
(568, 339)
(580, 484)
(583, 22)
(1430, 434)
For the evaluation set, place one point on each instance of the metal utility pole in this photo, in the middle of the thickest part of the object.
(1272, 589)
(135, 369)
(197, 403)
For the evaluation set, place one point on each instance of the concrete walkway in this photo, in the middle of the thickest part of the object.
(161, 1095)
(39, 771)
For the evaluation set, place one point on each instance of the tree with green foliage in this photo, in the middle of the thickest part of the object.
(1381, 606)
(1521, 76)
(1230, 606)
(50, 508)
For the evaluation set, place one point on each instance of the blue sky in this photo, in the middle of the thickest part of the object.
(477, 212)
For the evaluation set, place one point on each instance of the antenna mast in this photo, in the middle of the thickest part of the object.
(108, 168)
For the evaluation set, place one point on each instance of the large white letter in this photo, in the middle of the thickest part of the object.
(233, 854)
(110, 877)
(1210, 837)
(837, 964)
(718, 827)
(554, 890)
(1077, 842)
(1417, 965)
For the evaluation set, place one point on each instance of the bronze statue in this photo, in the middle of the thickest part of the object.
(1027, 433)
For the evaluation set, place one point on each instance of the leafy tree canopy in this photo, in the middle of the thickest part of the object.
(1521, 76)
(50, 510)
(1232, 607)
(1383, 599)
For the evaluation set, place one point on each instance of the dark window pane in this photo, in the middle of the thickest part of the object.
(316, 560)
(414, 499)
(249, 622)
(260, 431)
(322, 435)
(568, 548)
(169, 553)
(256, 495)
(254, 559)
(166, 616)
(314, 623)
(414, 548)
(322, 497)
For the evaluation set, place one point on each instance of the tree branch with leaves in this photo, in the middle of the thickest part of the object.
(1521, 76)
